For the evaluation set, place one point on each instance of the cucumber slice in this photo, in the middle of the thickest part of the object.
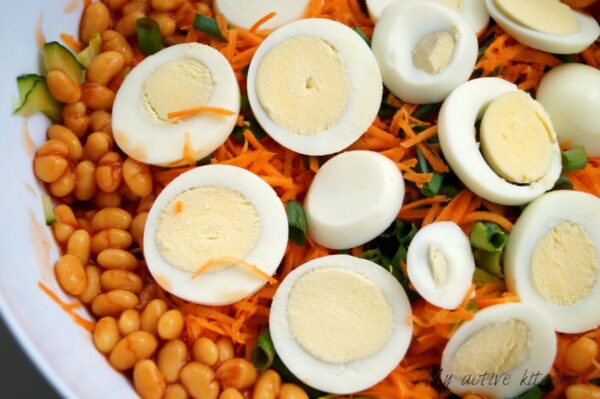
(39, 99)
(25, 84)
(57, 56)
(49, 215)
(87, 55)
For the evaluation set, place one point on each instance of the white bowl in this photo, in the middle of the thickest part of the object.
(62, 350)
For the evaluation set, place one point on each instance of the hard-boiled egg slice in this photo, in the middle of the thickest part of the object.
(222, 219)
(545, 25)
(503, 351)
(522, 155)
(473, 11)
(552, 259)
(571, 95)
(424, 50)
(440, 264)
(314, 86)
(353, 198)
(244, 14)
(181, 77)
(340, 323)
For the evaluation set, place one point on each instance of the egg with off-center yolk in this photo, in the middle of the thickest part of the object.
(178, 78)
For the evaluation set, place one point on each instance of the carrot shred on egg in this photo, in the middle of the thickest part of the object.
(237, 262)
(261, 21)
(186, 113)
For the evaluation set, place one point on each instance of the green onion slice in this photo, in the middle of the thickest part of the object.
(480, 276)
(148, 36)
(296, 222)
(488, 237)
(490, 262)
(563, 183)
(263, 352)
(574, 159)
(208, 26)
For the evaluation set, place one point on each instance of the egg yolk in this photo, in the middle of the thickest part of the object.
(177, 86)
(434, 51)
(516, 138)
(438, 264)
(205, 224)
(338, 315)
(564, 266)
(302, 85)
(497, 348)
(546, 16)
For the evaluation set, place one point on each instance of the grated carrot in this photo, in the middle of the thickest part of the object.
(261, 21)
(237, 262)
(424, 135)
(186, 113)
(75, 45)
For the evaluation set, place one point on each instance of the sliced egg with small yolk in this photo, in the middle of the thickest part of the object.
(424, 50)
(502, 352)
(340, 324)
(547, 25)
(314, 86)
(440, 264)
(179, 78)
(215, 235)
(515, 156)
(474, 11)
(552, 258)
(244, 14)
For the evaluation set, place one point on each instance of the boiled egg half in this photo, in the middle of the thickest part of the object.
(502, 352)
(515, 156)
(440, 264)
(424, 50)
(552, 257)
(547, 25)
(215, 234)
(340, 323)
(244, 14)
(183, 77)
(314, 86)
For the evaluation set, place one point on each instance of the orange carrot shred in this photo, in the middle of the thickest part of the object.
(186, 113)
(261, 21)
(72, 43)
(234, 261)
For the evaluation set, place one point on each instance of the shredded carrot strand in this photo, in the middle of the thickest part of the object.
(234, 261)
(75, 45)
(261, 21)
(186, 113)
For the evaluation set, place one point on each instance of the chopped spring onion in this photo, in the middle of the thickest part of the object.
(148, 36)
(252, 125)
(484, 46)
(480, 276)
(574, 159)
(208, 26)
(49, 216)
(263, 352)
(490, 262)
(296, 222)
(204, 161)
(488, 237)
(432, 188)
(362, 35)
(424, 110)
(563, 183)
(87, 55)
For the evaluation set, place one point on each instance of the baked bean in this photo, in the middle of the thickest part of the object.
(66, 223)
(92, 288)
(64, 214)
(62, 87)
(236, 373)
(267, 386)
(65, 135)
(100, 121)
(107, 200)
(472, 396)
(111, 217)
(113, 40)
(129, 321)
(145, 204)
(70, 274)
(175, 391)
(148, 381)
(174, 39)
(62, 232)
(205, 351)
(106, 334)
(581, 354)
(170, 324)
(165, 5)
(136, 5)
(114, 258)
(105, 66)
(51, 160)
(114, 5)
(291, 391)
(85, 180)
(137, 227)
(110, 238)
(166, 23)
(151, 314)
(171, 359)
(64, 185)
(97, 145)
(199, 381)
(149, 293)
(79, 245)
(582, 391)
(137, 177)
(113, 303)
(96, 96)
(117, 279)
(127, 194)
(127, 24)
(85, 225)
(95, 19)
(225, 347)
(231, 393)
(109, 172)
(75, 118)
(138, 345)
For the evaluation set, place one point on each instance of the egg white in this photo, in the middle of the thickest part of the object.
(353, 376)
(535, 222)
(244, 14)
(234, 283)
(159, 142)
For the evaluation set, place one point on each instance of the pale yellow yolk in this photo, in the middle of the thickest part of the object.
(434, 51)
(497, 348)
(516, 139)
(302, 85)
(547, 16)
(456, 5)
(207, 223)
(438, 264)
(177, 86)
(339, 316)
(564, 267)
